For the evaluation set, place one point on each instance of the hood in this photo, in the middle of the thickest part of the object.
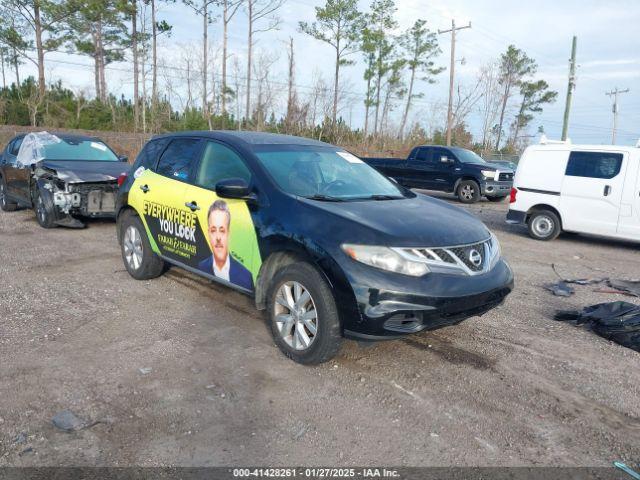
(78, 171)
(503, 167)
(421, 221)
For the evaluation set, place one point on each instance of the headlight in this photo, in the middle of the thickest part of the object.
(385, 258)
(488, 173)
(495, 251)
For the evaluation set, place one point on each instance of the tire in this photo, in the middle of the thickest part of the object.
(141, 262)
(496, 199)
(44, 215)
(544, 225)
(5, 204)
(326, 342)
(468, 191)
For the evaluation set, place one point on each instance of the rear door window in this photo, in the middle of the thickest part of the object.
(422, 155)
(594, 164)
(177, 159)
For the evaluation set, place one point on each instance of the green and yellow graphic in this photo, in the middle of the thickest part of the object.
(193, 226)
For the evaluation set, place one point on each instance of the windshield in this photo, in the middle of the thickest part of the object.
(467, 156)
(76, 149)
(325, 174)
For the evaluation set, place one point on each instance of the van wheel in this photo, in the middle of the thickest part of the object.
(468, 191)
(544, 225)
(141, 262)
(5, 204)
(303, 316)
(44, 215)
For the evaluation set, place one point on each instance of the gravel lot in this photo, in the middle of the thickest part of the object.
(513, 387)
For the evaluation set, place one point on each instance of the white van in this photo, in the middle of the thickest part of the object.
(593, 189)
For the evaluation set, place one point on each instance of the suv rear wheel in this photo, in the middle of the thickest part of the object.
(5, 204)
(303, 316)
(141, 262)
(544, 225)
(468, 191)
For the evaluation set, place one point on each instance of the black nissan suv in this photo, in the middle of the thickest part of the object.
(329, 246)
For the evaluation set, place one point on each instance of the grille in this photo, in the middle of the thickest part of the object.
(473, 258)
(505, 176)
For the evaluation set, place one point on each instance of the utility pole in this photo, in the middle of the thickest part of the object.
(451, 74)
(614, 94)
(570, 88)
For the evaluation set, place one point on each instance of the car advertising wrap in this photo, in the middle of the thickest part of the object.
(195, 227)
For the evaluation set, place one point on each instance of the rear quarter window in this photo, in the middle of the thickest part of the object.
(594, 164)
(178, 157)
(148, 156)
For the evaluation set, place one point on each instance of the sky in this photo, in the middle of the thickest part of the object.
(608, 56)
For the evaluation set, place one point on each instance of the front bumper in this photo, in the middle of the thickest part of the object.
(393, 305)
(491, 188)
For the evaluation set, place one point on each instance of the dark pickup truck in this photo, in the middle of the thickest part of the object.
(448, 169)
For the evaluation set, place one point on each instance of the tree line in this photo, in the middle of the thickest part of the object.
(208, 87)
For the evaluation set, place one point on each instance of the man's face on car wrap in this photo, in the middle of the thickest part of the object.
(219, 236)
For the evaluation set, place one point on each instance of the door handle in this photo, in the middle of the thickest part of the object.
(144, 188)
(192, 205)
(607, 190)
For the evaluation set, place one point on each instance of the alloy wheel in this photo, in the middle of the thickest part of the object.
(132, 243)
(3, 200)
(468, 192)
(296, 316)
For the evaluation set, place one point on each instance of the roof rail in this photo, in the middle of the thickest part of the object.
(545, 141)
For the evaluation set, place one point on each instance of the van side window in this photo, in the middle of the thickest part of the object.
(177, 159)
(594, 164)
(218, 163)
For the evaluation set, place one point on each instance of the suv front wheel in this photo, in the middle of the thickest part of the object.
(303, 316)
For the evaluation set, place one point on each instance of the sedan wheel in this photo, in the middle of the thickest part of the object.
(132, 243)
(296, 315)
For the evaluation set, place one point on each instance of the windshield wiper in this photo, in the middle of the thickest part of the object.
(324, 198)
(381, 197)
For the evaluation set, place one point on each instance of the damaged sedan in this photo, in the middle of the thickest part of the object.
(64, 178)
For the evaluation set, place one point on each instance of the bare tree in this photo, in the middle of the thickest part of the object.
(266, 96)
(229, 9)
(258, 11)
(490, 103)
(465, 100)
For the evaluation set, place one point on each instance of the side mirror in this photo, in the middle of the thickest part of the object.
(444, 159)
(234, 188)
(123, 158)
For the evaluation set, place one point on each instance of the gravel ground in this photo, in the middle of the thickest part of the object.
(178, 371)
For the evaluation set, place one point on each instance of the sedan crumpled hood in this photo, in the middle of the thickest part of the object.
(421, 221)
(78, 171)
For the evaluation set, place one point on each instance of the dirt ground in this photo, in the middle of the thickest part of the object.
(510, 388)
